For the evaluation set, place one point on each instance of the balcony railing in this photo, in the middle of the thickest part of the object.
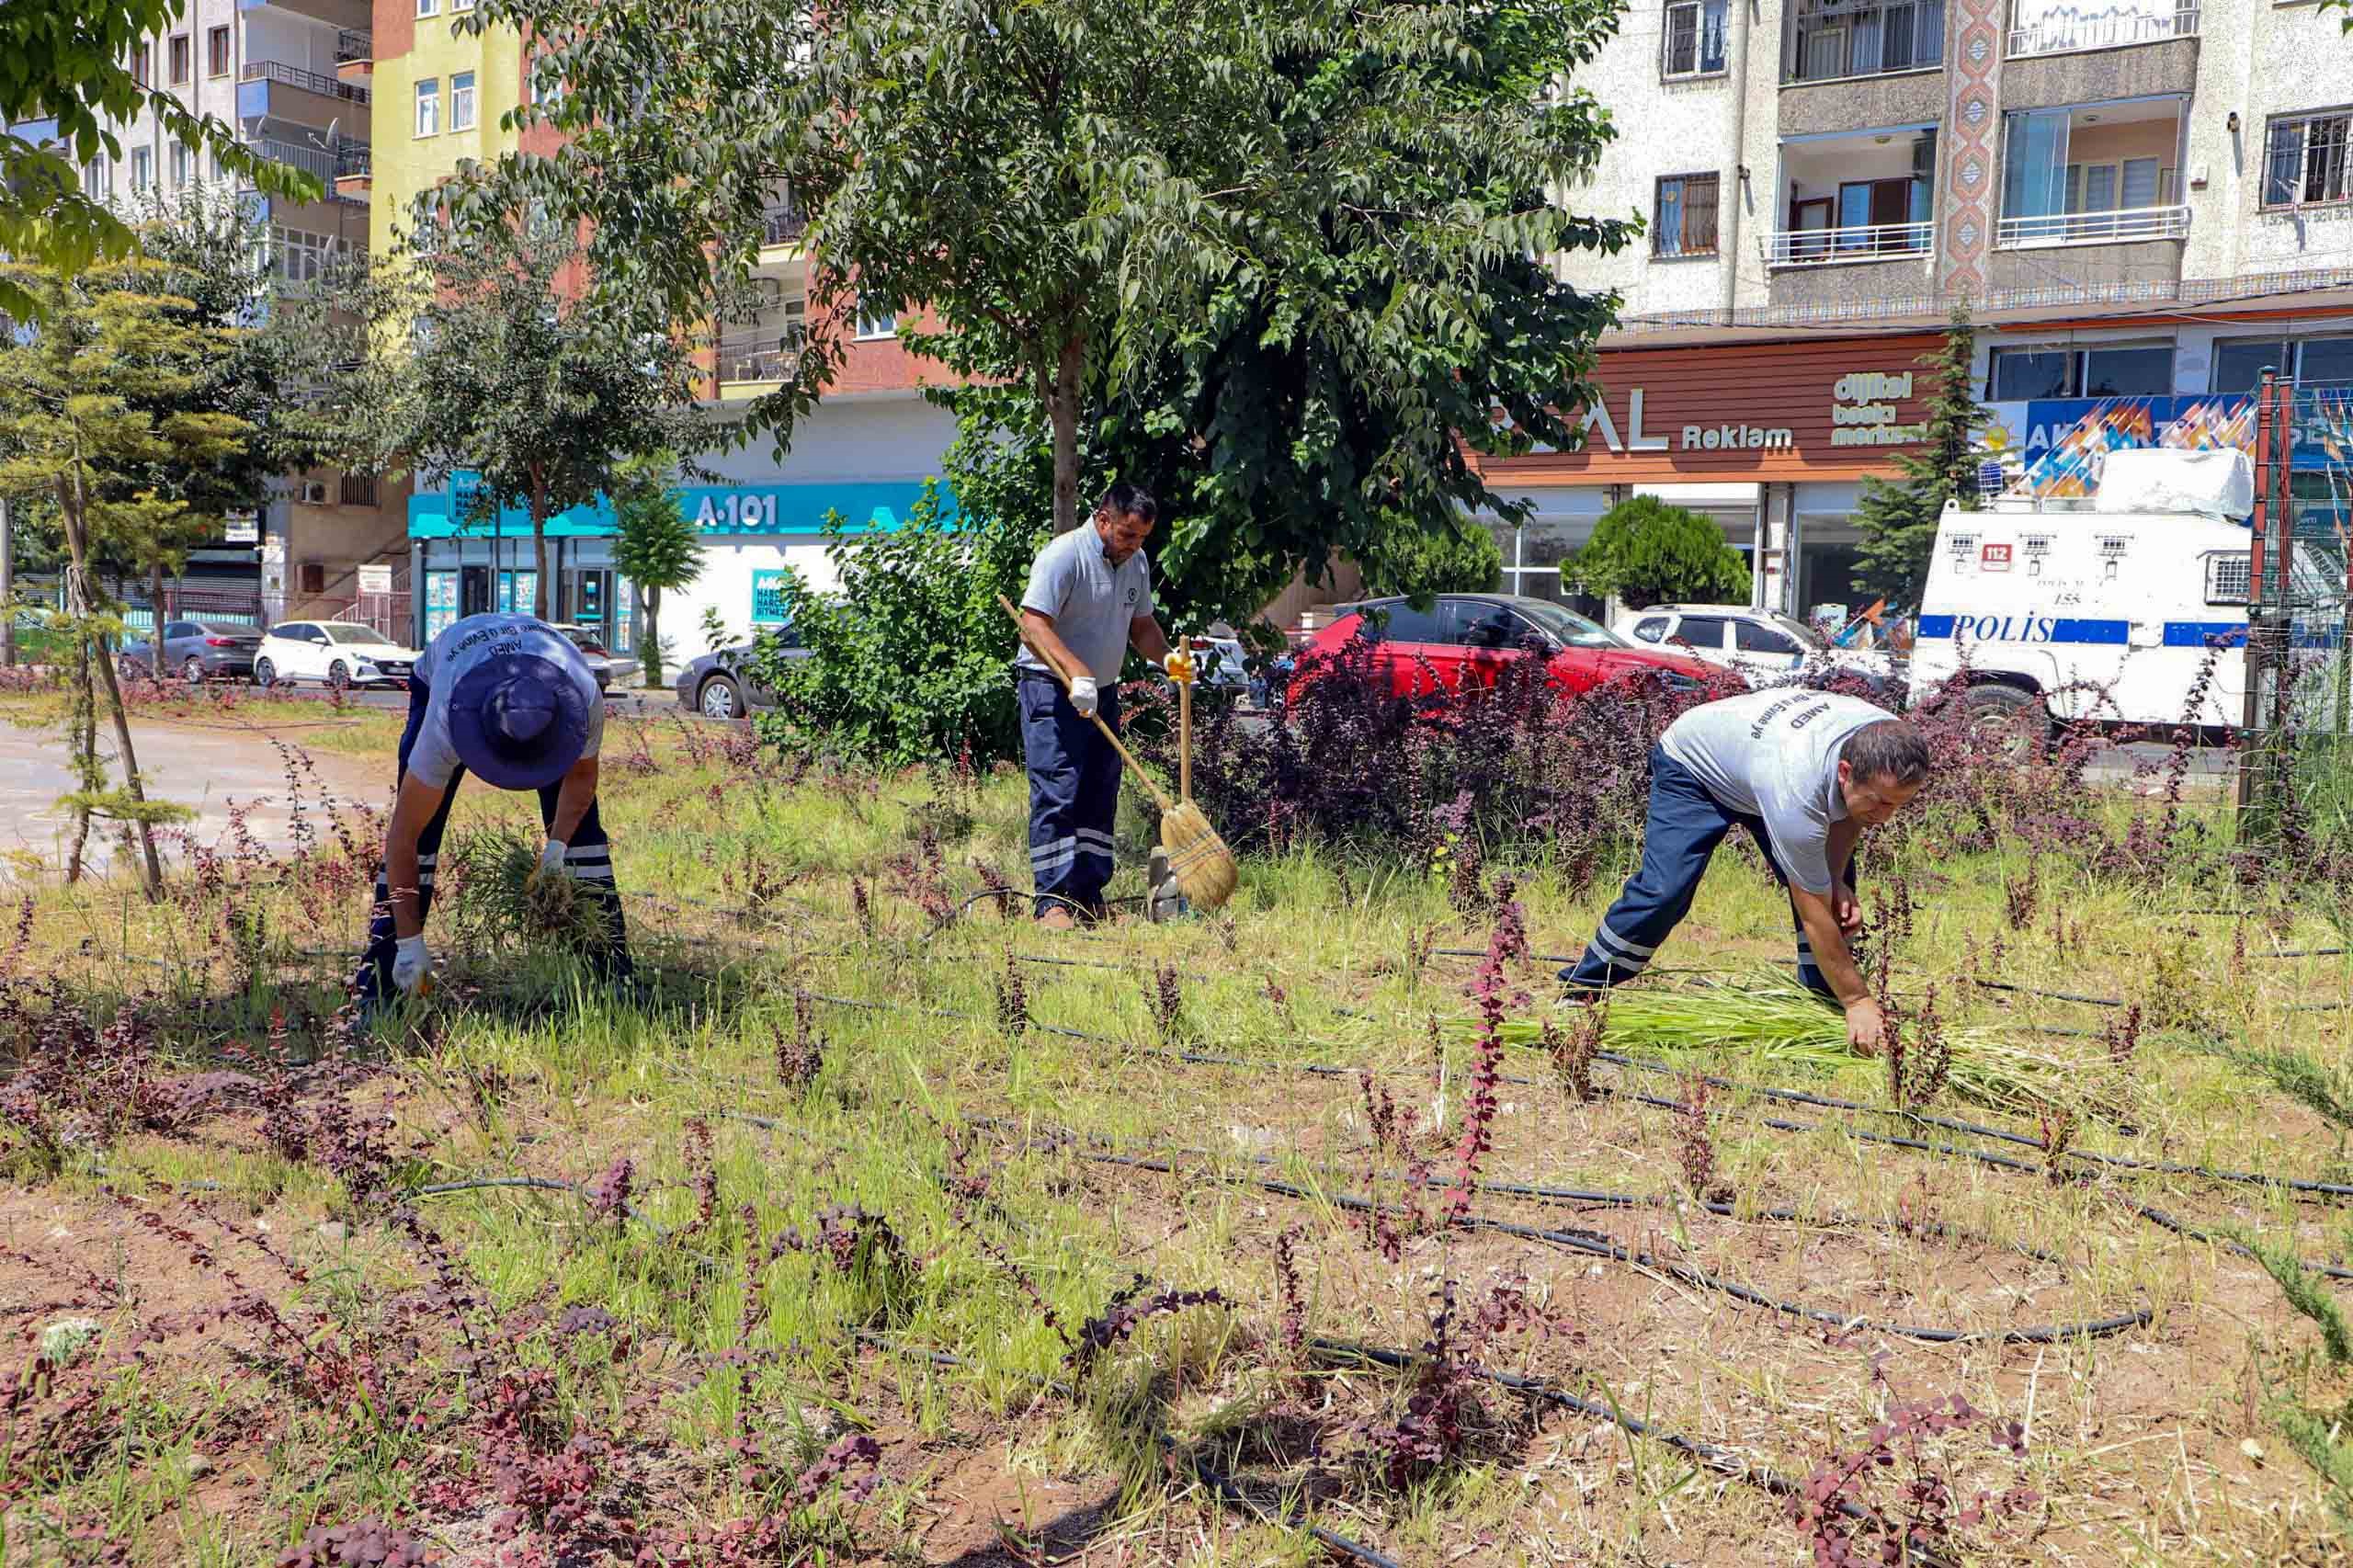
(345, 159)
(350, 44)
(295, 76)
(2118, 225)
(2065, 35)
(756, 359)
(782, 225)
(1861, 241)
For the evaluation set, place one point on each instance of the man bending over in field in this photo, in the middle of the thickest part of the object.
(1804, 772)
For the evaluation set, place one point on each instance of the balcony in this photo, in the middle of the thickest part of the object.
(1833, 40)
(1863, 197)
(756, 357)
(351, 45)
(328, 164)
(2092, 173)
(1861, 241)
(2054, 26)
(782, 224)
(297, 76)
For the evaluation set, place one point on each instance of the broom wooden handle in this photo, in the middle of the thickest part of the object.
(1185, 740)
(1062, 674)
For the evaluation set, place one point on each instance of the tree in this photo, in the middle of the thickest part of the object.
(76, 395)
(1281, 260)
(64, 73)
(1645, 553)
(1898, 521)
(530, 381)
(654, 544)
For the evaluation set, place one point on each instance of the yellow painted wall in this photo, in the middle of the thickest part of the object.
(406, 162)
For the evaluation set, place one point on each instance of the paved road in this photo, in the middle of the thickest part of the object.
(206, 767)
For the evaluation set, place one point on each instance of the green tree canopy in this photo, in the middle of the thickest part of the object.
(65, 74)
(1645, 551)
(1898, 519)
(654, 545)
(1279, 261)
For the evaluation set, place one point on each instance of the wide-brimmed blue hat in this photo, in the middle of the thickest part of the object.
(520, 719)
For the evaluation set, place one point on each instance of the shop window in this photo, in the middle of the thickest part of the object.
(2308, 159)
(1694, 37)
(1684, 216)
(2239, 362)
(2141, 369)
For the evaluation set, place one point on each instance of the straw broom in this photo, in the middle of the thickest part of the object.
(1198, 858)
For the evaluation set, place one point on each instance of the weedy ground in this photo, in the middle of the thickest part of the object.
(824, 1263)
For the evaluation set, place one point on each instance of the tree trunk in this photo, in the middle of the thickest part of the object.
(78, 601)
(650, 639)
(539, 548)
(1062, 408)
(155, 608)
(82, 745)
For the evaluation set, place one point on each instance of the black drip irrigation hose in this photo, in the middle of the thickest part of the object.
(1594, 1245)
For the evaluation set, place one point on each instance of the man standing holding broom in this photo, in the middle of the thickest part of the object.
(1804, 772)
(1088, 600)
(511, 700)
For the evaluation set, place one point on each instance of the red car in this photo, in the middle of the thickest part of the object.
(1463, 640)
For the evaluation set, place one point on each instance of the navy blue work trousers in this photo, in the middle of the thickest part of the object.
(1680, 833)
(1073, 795)
(589, 857)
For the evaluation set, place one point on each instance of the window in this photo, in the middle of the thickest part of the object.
(1684, 216)
(462, 5)
(181, 56)
(428, 107)
(1695, 37)
(877, 321)
(2305, 160)
(1398, 621)
(216, 52)
(1754, 637)
(428, 7)
(2124, 370)
(1830, 38)
(2230, 574)
(142, 169)
(1651, 628)
(1481, 623)
(297, 256)
(97, 179)
(1702, 632)
(357, 489)
(461, 101)
(2239, 362)
(140, 64)
(181, 161)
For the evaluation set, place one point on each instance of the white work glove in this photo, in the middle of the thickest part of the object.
(412, 966)
(551, 859)
(1082, 696)
(1178, 662)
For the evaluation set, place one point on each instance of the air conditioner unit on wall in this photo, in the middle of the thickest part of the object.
(314, 492)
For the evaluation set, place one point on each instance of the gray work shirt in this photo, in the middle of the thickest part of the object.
(1089, 600)
(433, 755)
(1774, 754)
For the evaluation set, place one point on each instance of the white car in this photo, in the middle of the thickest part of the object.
(334, 652)
(1763, 645)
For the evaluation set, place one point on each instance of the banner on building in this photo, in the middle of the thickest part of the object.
(770, 607)
(2053, 449)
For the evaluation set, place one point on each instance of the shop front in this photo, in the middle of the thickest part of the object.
(754, 538)
(1772, 440)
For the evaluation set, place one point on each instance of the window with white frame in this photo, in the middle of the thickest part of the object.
(461, 101)
(143, 170)
(428, 107)
(1694, 38)
(875, 321)
(2306, 160)
(428, 7)
(297, 256)
(97, 178)
(182, 161)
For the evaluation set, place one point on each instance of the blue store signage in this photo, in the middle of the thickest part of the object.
(737, 510)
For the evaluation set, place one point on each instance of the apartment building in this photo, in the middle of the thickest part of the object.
(2143, 202)
(290, 76)
(864, 452)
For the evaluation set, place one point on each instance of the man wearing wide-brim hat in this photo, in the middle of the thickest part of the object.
(510, 700)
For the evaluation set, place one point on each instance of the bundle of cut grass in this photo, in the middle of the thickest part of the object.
(486, 878)
(1774, 1023)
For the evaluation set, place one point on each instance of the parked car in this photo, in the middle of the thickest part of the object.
(1218, 659)
(1464, 640)
(194, 651)
(609, 668)
(1768, 648)
(720, 686)
(334, 652)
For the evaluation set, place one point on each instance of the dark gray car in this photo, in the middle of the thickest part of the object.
(719, 686)
(196, 650)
